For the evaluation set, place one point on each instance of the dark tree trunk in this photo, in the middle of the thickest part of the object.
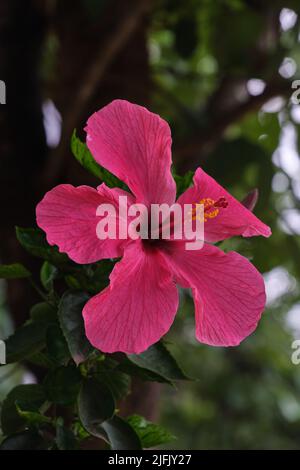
(22, 145)
(100, 57)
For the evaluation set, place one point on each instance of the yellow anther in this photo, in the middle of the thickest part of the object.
(210, 209)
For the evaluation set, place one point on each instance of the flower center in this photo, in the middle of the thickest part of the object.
(211, 207)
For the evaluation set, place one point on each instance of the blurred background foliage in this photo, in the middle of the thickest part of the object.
(221, 73)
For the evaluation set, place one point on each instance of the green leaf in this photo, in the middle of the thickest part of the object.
(13, 271)
(34, 241)
(43, 312)
(92, 278)
(65, 439)
(79, 430)
(48, 274)
(43, 360)
(97, 275)
(117, 381)
(133, 370)
(150, 434)
(183, 182)
(71, 321)
(121, 435)
(57, 347)
(159, 360)
(95, 405)
(27, 440)
(85, 158)
(24, 342)
(62, 385)
(28, 397)
(32, 417)
(73, 282)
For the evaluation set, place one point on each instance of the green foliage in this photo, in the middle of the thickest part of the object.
(13, 271)
(27, 440)
(71, 322)
(78, 379)
(85, 158)
(95, 406)
(32, 417)
(121, 435)
(28, 398)
(118, 382)
(62, 385)
(56, 345)
(150, 434)
(26, 341)
(183, 182)
(65, 438)
(158, 360)
(34, 241)
(48, 275)
(43, 312)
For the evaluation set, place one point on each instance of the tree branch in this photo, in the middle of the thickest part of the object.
(113, 44)
(189, 154)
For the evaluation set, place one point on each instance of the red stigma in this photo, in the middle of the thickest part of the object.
(221, 202)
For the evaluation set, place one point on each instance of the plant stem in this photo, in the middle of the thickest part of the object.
(38, 289)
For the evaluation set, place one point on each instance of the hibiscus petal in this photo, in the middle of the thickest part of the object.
(137, 308)
(135, 145)
(232, 220)
(68, 216)
(229, 293)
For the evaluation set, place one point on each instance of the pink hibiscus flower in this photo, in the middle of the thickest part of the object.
(139, 305)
